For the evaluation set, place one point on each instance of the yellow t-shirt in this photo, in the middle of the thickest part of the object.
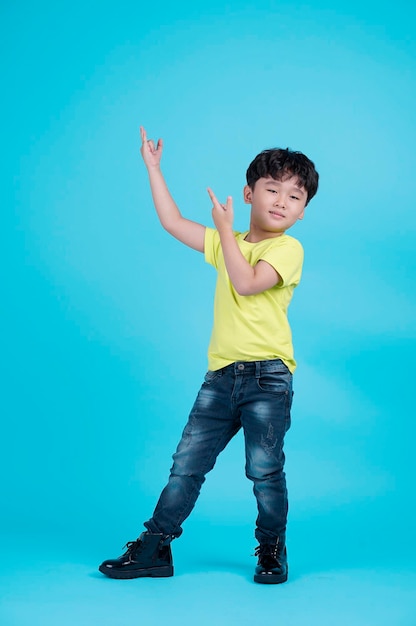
(253, 328)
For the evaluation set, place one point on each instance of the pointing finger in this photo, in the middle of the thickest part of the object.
(213, 196)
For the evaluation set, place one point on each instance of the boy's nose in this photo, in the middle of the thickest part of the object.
(279, 201)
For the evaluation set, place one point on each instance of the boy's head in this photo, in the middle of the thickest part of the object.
(281, 164)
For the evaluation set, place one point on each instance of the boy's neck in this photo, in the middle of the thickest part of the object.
(254, 236)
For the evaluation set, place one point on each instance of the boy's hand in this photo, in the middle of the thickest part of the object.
(151, 154)
(222, 214)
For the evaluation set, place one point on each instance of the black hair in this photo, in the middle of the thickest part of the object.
(280, 164)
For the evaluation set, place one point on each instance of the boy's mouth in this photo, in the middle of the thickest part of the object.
(276, 214)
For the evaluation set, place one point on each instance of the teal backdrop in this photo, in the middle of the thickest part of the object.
(106, 320)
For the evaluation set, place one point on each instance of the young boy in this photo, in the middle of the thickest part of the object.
(250, 357)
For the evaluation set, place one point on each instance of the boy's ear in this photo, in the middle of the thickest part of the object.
(247, 193)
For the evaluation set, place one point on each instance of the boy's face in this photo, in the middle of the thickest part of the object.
(275, 205)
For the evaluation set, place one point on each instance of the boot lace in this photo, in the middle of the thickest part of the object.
(267, 552)
(132, 545)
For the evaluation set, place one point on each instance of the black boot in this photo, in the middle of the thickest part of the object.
(150, 555)
(272, 564)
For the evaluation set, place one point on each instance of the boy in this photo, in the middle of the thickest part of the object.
(250, 357)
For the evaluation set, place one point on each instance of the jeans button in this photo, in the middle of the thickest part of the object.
(240, 366)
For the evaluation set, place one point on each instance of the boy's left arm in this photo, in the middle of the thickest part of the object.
(246, 280)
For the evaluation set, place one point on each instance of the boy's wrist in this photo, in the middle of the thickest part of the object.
(152, 166)
(225, 229)
(153, 169)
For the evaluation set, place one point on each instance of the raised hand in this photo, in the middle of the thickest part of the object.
(151, 154)
(222, 214)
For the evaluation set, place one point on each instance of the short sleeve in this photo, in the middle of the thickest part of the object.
(287, 259)
(211, 246)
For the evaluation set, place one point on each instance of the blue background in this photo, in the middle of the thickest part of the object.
(106, 320)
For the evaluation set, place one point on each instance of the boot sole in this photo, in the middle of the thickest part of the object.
(152, 572)
(270, 579)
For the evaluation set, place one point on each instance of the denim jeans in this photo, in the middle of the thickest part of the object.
(257, 397)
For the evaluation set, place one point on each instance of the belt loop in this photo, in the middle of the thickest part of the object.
(258, 369)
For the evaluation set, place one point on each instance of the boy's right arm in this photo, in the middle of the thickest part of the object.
(190, 233)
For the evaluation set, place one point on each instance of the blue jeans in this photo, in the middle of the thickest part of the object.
(257, 397)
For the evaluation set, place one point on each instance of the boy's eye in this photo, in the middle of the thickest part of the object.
(294, 197)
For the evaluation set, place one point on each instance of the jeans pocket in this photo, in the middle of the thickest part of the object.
(211, 375)
(288, 415)
(276, 382)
